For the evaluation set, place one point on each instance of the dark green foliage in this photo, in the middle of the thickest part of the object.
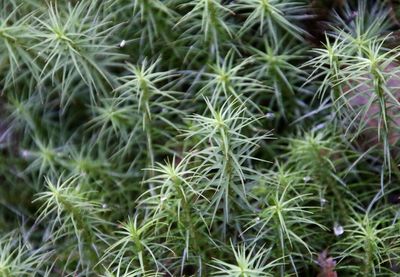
(199, 138)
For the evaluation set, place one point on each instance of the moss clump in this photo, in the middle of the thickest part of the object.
(199, 138)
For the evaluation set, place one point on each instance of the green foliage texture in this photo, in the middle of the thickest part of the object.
(199, 138)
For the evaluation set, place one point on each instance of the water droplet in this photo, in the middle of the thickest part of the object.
(25, 153)
(319, 126)
(270, 115)
(338, 230)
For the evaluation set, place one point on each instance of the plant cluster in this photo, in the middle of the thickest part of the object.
(199, 138)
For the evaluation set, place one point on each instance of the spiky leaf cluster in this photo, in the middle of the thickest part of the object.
(199, 138)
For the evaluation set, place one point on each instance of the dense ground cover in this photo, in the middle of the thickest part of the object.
(199, 138)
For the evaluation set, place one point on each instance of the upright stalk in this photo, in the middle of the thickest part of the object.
(187, 221)
(144, 107)
(227, 172)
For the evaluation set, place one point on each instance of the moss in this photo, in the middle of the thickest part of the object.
(199, 138)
